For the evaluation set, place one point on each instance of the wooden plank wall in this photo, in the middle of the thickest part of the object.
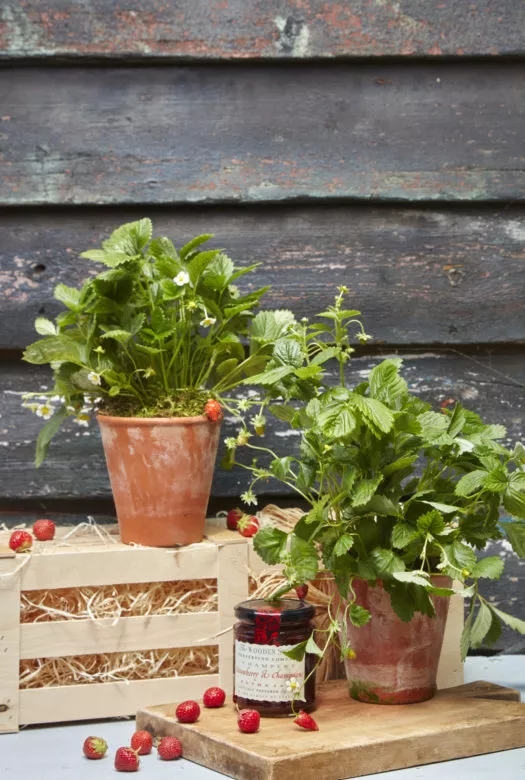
(373, 143)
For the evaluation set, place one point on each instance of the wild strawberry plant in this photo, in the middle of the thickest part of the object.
(155, 333)
(395, 490)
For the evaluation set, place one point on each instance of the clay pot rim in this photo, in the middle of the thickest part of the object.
(149, 422)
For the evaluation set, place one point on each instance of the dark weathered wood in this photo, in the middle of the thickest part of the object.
(237, 29)
(419, 276)
(75, 465)
(199, 134)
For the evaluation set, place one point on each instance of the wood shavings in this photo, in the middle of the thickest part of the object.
(114, 667)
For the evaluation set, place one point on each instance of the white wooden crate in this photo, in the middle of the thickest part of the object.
(223, 556)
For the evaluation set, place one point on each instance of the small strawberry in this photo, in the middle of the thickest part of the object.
(302, 592)
(95, 747)
(188, 712)
(306, 721)
(248, 526)
(142, 742)
(169, 748)
(44, 530)
(20, 541)
(126, 760)
(248, 721)
(214, 697)
(213, 410)
(232, 518)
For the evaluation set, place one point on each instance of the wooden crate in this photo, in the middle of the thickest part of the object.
(87, 561)
(223, 555)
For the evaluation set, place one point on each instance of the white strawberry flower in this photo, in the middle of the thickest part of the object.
(82, 420)
(94, 378)
(181, 279)
(45, 411)
(208, 321)
(292, 685)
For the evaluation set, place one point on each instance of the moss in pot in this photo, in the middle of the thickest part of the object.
(403, 500)
(153, 344)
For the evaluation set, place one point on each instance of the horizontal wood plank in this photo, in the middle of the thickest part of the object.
(75, 466)
(107, 700)
(53, 639)
(240, 29)
(418, 275)
(195, 134)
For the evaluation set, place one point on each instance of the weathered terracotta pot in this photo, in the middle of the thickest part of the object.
(396, 662)
(161, 471)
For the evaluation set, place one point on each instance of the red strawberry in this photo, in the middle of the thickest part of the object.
(188, 712)
(169, 748)
(126, 760)
(248, 721)
(248, 525)
(302, 592)
(214, 697)
(142, 742)
(306, 721)
(20, 541)
(213, 410)
(44, 530)
(232, 518)
(95, 747)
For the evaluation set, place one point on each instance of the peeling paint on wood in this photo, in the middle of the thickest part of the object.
(75, 467)
(199, 135)
(419, 276)
(240, 29)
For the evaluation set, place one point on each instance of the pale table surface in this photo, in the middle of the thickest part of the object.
(54, 752)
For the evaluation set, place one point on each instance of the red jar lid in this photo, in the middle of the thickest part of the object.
(289, 610)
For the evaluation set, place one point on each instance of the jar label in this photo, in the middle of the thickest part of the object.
(263, 673)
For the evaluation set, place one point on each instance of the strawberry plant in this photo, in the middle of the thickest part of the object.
(154, 334)
(396, 491)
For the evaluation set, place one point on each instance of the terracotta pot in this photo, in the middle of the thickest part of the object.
(396, 662)
(161, 471)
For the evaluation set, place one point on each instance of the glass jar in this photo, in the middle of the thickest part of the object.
(264, 678)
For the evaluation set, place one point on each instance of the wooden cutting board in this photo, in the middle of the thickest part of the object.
(353, 739)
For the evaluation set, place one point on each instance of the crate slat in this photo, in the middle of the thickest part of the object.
(107, 700)
(9, 641)
(232, 587)
(54, 639)
(118, 564)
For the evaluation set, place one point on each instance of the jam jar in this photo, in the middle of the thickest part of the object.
(264, 678)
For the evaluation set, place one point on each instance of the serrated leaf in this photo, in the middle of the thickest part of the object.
(312, 646)
(359, 616)
(514, 502)
(308, 372)
(433, 425)
(304, 559)
(515, 533)
(491, 567)
(386, 561)
(496, 481)
(45, 327)
(385, 382)
(403, 534)
(122, 336)
(69, 296)
(199, 263)
(340, 425)
(54, 348)
(462, 555)
(218, 272)
(471, 483)
(282, 412)
(269, 543)
(96, 255)
(381, 505)
(270, 377)
(364, 491)
(267, 326)
(287, 352)
(374, 412)
(464, 642)
(193, 244)
(413, 577)
(513, 622)
(343, 544)
(445, 508)
(431, 523)
(457, 421)
(298, 652)
(327, 353)
(399, 464)
(280, 467)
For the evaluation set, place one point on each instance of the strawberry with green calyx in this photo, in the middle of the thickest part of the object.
(301, 592)
(20, 541)
(142, 742)
(126, 760)
(169, 748)
(95, 748)
(232, 518)
(248, 721)
(248, 526)
(213, 410)
(306, 721)
(44, 530)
